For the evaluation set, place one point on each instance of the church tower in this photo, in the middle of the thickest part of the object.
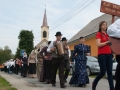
(44, 33)
(44, 28)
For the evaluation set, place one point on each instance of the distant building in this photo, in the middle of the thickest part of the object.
(44, 32)
(89, 32)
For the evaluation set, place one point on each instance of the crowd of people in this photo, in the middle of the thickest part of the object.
(24, 65)
(49, 61)
(9, 66)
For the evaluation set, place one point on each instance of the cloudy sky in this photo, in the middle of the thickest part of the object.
(67, 16)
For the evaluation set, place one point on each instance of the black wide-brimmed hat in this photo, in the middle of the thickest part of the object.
(49, 42)
(64, 39)
(58, 34)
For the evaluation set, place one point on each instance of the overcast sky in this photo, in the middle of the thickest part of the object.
(16, 15)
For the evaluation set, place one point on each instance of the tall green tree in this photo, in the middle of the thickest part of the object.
(5, 54)
(25, 42)
(1, 55)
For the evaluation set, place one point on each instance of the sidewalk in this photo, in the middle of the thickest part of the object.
(20, 84)
(33, 84)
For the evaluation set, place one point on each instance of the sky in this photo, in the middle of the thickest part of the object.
(66, 16)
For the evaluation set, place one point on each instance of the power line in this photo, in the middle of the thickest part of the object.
(70, 12)
(71, 16)
(78, 8)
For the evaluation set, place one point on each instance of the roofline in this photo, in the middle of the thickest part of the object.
(86, 37)
(42, 41)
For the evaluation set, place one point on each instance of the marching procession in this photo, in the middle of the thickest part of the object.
(47, 59)
(55, 57)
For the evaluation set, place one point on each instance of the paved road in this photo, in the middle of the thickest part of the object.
(102, 85)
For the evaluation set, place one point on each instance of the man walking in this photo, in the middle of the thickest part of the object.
(66, 58)
(57, 62)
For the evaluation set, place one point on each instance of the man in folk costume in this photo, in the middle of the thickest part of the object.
(114, 33)
(57, 62)
(66, 58)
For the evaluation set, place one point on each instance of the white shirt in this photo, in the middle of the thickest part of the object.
(8, 64)
(12, 63)
(114, 29)
(69, 52)
(51, 46)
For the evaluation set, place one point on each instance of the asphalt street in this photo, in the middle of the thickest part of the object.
(102, 85)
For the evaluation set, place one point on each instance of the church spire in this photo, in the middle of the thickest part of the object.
(45, 18)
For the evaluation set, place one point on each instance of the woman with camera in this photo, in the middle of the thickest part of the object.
(104, 56)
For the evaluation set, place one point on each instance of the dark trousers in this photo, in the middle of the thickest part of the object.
(117, 74)
(106, 64)
(21, 70)
(57, 63)
(16, 68)
(5, 68)
(67, 69)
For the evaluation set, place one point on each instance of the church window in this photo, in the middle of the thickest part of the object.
(44, 34)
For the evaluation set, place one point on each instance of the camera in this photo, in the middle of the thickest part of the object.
(109, 43)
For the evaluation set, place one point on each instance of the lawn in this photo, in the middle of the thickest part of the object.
(4, 85)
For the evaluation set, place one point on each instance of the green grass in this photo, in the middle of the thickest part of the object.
(4, 85)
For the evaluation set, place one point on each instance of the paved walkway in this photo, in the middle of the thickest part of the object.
(20, 84)
(32, 84)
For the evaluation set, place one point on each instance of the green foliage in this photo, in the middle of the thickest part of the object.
(25, 42)
(5, 54)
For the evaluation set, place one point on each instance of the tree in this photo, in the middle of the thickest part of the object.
(1, 55)
(5, 54)
(12, 56)
(25, 42)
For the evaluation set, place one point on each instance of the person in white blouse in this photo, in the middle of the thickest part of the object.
(11, 63)
(114, 33)
(114, 29)
(8, 66)
(57, 62)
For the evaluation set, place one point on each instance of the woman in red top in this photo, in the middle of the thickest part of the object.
(104, 56)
